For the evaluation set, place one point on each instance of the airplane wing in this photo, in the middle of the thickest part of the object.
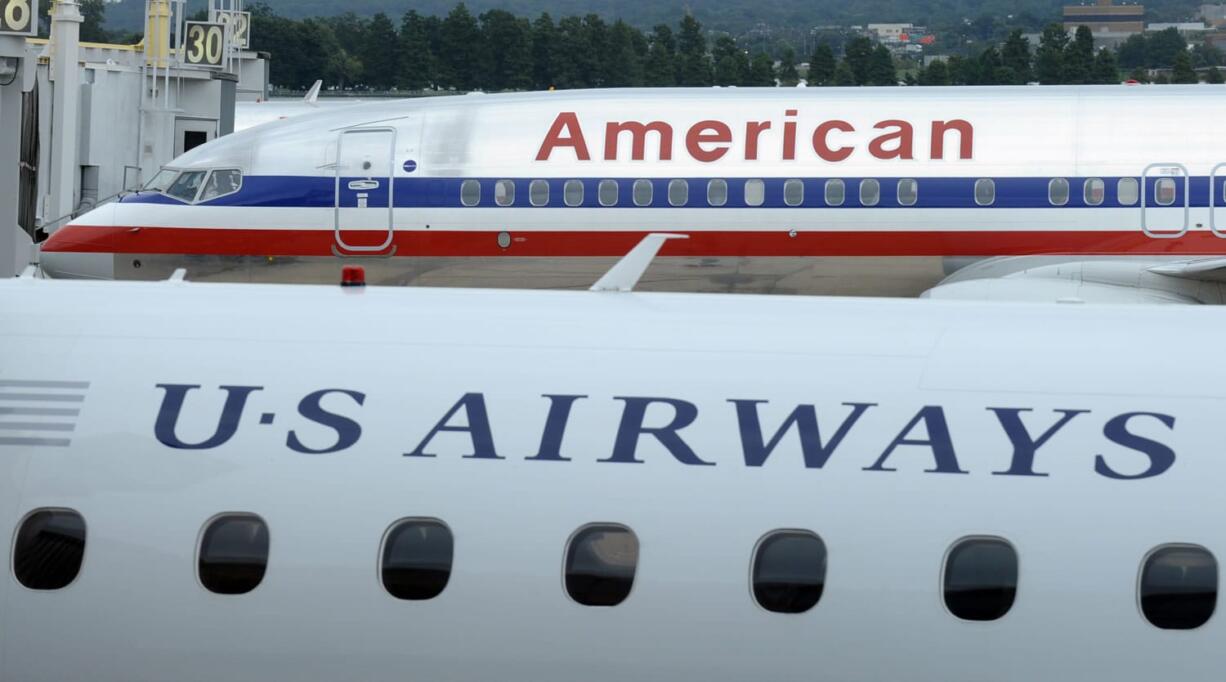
(1040, 279)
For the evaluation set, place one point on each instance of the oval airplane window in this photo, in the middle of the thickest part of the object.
(789, 571)
(606, 191)
(755, 192)
(233, 554)
(470, 192)
(1127, 191)
(601, 560)
(678, 192)
(642, 191)
(836, 192)
(908, 192)
(870, 192)
(1164, 191)
(538, 193)
(572, 193)
(717, 192)
(980, 578)
(49, 549)
(1057, 191)
(1179, 587)
(1094, 191)
(793, 192)
(417, 555)
(985, 191)
(504, 192)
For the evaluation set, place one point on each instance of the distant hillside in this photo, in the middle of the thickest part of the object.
(725, 15)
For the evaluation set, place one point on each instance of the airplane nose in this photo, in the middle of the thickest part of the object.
(73, 252)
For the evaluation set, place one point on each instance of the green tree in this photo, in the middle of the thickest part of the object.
(94, 14)
(731, 63)
(1079, 57)
(459, 53)
(1204, 54)
(990, 69)
(1134, 52)
(1139, 74)
(881, 69)
(857, 54)
(935, 73)
(788, 76)
(507, 63)
(1214, 76)
(694, 67)
(416, 60)
(1049, 58)
(596, 54)
(1106, 69)
(1182, 72)
(761, 71)
(822, 65)
(544, 45)
(844, 75)
(1164, 47)
(625, 66)
(1016, 56)
(380, 53)
(573, 57)
(661, 67)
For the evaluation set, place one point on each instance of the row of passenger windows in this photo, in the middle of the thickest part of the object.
(835, 192)
(1178, 588)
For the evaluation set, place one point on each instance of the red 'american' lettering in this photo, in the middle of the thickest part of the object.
(710, 140)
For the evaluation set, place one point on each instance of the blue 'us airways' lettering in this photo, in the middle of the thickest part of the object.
(927, 431)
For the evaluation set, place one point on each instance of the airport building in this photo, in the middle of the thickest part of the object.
(1106, 17)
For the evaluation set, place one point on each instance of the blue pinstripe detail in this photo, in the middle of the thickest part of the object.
(938, 193)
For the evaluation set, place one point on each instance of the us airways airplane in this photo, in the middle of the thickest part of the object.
(208, 483)
(1102, 193)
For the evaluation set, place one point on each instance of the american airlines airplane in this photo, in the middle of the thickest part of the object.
(208, 483)
(1095, 193)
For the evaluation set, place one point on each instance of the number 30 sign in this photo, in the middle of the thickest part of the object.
(204, 44)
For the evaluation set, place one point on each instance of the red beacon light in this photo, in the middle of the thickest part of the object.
(353, 276)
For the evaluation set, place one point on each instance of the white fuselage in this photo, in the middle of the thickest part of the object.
(880, 191)
(928, 461)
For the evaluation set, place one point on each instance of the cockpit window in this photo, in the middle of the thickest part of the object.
(186, 186)
(222, 182)
(162, 180)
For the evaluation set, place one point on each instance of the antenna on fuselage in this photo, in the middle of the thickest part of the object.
(626, 272)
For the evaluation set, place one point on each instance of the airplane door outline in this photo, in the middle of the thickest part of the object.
(1215, 179)
(1150, 213)
(361, 180)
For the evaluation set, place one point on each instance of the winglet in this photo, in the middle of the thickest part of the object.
(179, 275)
(627, 271)
(313, 94)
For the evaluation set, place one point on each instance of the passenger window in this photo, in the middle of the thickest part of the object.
(49, 549)
(233, 554)
(980, 578)
(470, 192)
(538, 193)
(186, 186)
(908, 192)
(836, 192)
(870, 192)
(717, 192)
(1179, 587)
(1093, 192)
(221, 183)
(417, 558)
(1057, 191)
(504, 192)
(678, 192)
(1164, 191)
(755, 192)
(572, 193)
(789, 571)
(606, 191)
(642, 192)
(1127, 191)
(985, 192)
(793, 192)
(600, 565)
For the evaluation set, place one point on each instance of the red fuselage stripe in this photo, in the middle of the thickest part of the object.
(258, 242)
